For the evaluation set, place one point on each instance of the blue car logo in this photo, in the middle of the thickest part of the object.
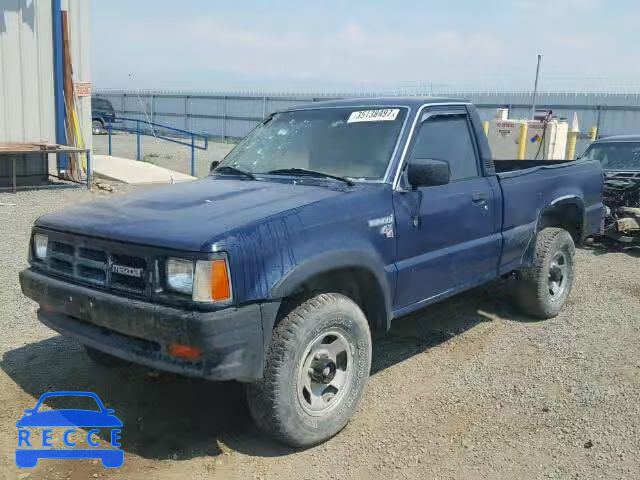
(29, 452)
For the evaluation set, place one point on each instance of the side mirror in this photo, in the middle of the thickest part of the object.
(426, 172)
(214, 165)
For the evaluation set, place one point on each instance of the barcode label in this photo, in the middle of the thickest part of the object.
(382, 115)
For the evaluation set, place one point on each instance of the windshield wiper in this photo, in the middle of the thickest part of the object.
(309, 173)
(234, 171)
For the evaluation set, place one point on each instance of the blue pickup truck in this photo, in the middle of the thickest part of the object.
(321, 227)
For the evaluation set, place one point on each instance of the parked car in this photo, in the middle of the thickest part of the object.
(324, 225)
(620, 159)
(102, 113)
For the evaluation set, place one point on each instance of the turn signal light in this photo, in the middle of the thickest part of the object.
(220, 284)
(212, 281)
(185, 352)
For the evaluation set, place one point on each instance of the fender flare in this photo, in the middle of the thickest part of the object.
(573, 200)
(334, 260)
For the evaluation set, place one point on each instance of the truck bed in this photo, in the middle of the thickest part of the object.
(504, 166)
(531, 186)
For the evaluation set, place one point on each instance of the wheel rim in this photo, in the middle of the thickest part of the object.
(558, 275)
(97, 128)
(324, 373)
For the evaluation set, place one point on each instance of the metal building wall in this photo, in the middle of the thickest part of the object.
(80, 34)
(27, 106)
(26, 71)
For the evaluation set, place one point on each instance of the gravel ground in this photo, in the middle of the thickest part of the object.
(467, 389)
(162, 153)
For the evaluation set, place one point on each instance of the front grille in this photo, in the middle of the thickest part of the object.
(92, 254)
(107, 268)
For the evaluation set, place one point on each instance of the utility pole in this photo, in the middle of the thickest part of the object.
(535, 88)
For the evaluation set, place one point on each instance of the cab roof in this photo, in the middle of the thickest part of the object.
(411, 102)
(619, 138)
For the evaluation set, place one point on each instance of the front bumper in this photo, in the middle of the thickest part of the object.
(233, 340)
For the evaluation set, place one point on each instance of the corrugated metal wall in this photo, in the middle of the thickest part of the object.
(80, 33)
(234, 115)
(27, 111)
(26, 71)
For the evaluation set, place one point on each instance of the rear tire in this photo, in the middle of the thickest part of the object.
(542, 289)
(316, 370)
(104, 359)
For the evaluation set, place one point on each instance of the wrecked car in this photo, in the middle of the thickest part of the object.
(620, 159)
(325, 224)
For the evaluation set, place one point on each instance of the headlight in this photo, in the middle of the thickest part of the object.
(40, 243)
(180, 275)
(210, 282)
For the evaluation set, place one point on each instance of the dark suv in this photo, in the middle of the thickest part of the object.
(102, 113)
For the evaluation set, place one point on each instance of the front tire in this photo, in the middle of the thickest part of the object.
(543, 288)
(97, 127)
(316, 370)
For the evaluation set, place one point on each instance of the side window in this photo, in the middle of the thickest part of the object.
(447, 138)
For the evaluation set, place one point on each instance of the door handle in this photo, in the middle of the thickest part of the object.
(478, 197)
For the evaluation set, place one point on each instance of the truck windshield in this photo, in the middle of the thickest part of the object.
(616, 155)
(355, 143)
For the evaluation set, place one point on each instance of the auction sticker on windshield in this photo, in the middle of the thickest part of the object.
(381, 115)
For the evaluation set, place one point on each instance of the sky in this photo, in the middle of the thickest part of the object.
(362, 46)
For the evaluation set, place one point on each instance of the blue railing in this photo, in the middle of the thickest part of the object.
(158, 130)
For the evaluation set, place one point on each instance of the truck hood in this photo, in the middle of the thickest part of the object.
(186, 216)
